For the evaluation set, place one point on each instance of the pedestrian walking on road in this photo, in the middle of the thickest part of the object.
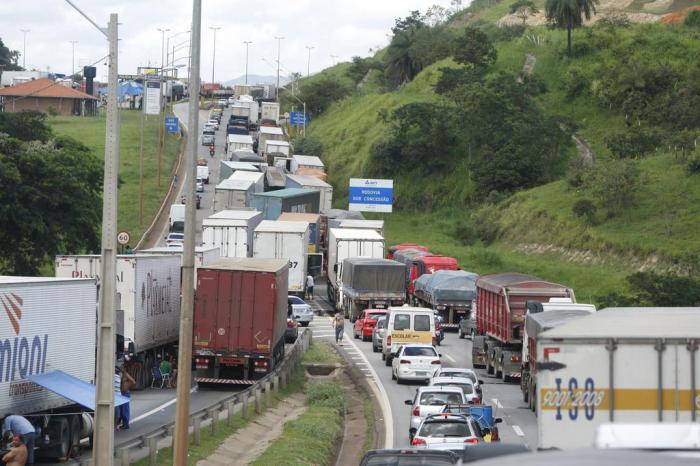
(127, 383)
(339, 325)
(20, 426)
(19, 454)
(175, 180)
(309, 287)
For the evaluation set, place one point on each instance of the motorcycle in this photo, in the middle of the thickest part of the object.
(212, 151)
(198, 202)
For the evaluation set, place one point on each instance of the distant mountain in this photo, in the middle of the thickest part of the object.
(257, 79)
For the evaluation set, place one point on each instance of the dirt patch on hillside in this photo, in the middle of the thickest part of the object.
(678, 17)
(604, 9)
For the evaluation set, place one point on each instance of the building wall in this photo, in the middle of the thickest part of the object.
(42, 104)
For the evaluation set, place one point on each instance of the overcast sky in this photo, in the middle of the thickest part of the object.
(332, 27)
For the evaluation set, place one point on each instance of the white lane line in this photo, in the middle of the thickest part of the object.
(383, 401)
(321, 336)
(497, 403)
(450, 358)
(518, 431)
(158, 408)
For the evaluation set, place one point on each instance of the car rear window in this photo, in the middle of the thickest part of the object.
(375, 316)
(467, 388)
(440, 398)
(419, 351)
(415, 459)
(402, 322)
(421, 323)
(445, 429)
(469, 375)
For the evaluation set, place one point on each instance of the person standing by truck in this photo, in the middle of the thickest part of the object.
(127, 383)
(20, 425)
(309, 287)
(339, 325)
(18, 455)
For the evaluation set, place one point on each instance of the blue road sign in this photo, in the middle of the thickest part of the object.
(371, 195)
(299, 118)
(171, 125)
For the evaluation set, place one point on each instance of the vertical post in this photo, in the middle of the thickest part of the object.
(247, 43)
(308, 62)
(103, 451)
(304, 127)
(213, 59)
(72, 69)
(143, 111)
(279, 46)
(24, 48)
(161, 130)
(186, 311)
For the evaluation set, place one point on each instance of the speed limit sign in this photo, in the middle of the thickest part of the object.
(123, 238)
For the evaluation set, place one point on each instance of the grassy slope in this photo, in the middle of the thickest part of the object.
(91, 132)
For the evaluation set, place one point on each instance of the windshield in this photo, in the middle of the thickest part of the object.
(419, 351)
(467, 388)
(445, 429)
(468, 375)
(440, 398)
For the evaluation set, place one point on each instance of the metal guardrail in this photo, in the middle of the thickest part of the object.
(257, 396)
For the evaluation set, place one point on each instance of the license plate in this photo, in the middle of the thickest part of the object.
(421, 373)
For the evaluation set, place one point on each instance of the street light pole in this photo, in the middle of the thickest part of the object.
(333, 57)
(213, 59)
(24, 47)
(247, 43)
(279, 45)
(72, 68)
(308, 61)
(182, 405)
(161, 130)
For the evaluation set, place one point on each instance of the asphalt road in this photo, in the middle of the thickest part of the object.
(519, 423)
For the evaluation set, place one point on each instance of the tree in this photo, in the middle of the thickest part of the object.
(27, 125)
(633, 143)
(523, 9)
(569, 14)
(8, 59)
(49, 202)
(655, 289)
(616, 184)
(321, 92)
(474, 48)
(693, 19)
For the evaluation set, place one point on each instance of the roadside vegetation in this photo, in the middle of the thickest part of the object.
(91, 133)
(479, 142)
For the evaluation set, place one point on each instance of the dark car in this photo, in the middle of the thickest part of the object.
(397, 457)
(467, 326)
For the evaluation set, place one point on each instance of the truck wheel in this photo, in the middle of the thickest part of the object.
(355, 335)
(525, 389)
(383, 356)
(459, 333)
(387, 361)
(532, 402)
(75, 432)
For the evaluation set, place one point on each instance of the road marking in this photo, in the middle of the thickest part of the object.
(450, 358)
(322, 336)
(383, 399)
(159, 408)
(497, 403)
(518, 431)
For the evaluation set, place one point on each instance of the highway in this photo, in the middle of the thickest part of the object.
(519, 423)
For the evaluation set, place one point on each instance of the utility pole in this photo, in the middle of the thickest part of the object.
(24, 48)
(277, 89)
(213, 59)
(334, 57)
(72, 68)
(182, 413)
(103, 449)
(161, 130)
(247, 43)
(308, 61)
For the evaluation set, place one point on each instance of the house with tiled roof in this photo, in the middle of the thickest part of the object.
(43, 95)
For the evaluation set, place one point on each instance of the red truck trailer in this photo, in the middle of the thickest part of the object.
(240, 316)
(421, 265)
(501, 308)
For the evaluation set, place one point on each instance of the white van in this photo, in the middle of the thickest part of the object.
(177, 217)
(407, 325)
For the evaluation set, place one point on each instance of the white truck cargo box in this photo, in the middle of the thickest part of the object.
(270, 111)
(231, 231)
(306, 161)
(277, 148)
(618, 365)
(47, 324)
(376, 225)
(233, 194)
(227, 168)
(148, 294)
(311, 182)
(257, 178)
(288, 241)
(203, 255)
(238, 142)
(268, 133)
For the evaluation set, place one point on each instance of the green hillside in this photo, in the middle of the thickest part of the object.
(630, 91)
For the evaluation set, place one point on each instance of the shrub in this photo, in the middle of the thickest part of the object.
(614, 20)
(577, 173)
(485, 258)
(307, 145)
(633, 143)
(616, 184)
(575, 83)
(586, 209)
(693, 19)
(665, 290)
(693, 166)
(615, 299)
(465, 233)
(485, 225)
(51, 110)
(326, 394)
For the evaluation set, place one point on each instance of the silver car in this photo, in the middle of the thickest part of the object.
(302, 312)
(446, 431)
(208, 139)
(462, 372)
(378, 334)
(431, 400)
(462, 382)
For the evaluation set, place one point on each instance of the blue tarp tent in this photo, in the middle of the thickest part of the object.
(126, 89)
(72, 388)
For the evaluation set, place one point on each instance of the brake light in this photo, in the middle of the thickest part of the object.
(388, 340)
(416, 412)
(437, 361)
(290, 324)
(404, 361)
(477, 401)
(472, 440)
(515, 358)
(418, 441)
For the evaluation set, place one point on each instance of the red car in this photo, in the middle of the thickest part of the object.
(364, 325)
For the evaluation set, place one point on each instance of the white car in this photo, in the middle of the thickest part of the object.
(463, 383)
(462, 372)
(415, 362)
(302, 312)
(446, 431)
(431, 400)
(175, 238)
(213, 122)
(200, 185)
